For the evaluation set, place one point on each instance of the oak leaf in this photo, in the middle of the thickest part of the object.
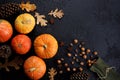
(27, 6)
(41, 19)
(56, 13)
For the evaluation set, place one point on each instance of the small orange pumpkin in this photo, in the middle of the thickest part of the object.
(21, 44)
(45, 46)
(34, 67)
(6, 30)
(25, 23)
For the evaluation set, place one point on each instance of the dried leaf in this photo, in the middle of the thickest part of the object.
(56, 13)
(52, 72)
(41, 19)
(27, 6)
(14, 63)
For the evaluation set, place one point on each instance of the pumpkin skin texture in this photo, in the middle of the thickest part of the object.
(6, 31)
(21, 44)
(25, 23)
(34, 67)
(45, 46)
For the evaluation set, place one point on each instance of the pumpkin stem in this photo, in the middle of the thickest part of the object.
(45, 46)
(32, 69)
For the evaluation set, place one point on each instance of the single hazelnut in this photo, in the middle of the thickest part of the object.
(88, 51)
(68, 69)
(83, 52)
(89, 61)
(69, 54)
(71, 44)
(82, 48)
(81, 69)
(60, 71)
(75, 41)
(76, 55)
(74, 69)
(82, 63)
(59, 61)
(62, 59)
(66, 64)
(77, 60)
(95, 53)
(72, 62)
(85, 56)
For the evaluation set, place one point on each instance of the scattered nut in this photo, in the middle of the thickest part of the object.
(69, 54)
(81, 69)
(85, 56)
(82, 63)
(76, 50)
(66, 64)
(60, 71)
(74, 57)
(88, 51)
(77, 60)
(83, 52)
(95, 53)
(82, 43)
(68, 69)
(72, 62)
(89, 64)
(89, 61)
(71, 44)
(62, 59)
(74, 69)
(75, 41)
(59, 61)
(82, 48)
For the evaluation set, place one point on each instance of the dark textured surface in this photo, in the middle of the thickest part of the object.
(95, 21)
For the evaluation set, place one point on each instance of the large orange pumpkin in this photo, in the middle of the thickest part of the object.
(34, 67)
(21, 44)
(25, 23)
(45, 46)
(6, 30)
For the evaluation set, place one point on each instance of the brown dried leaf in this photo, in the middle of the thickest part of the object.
(56, 13)
(14, 63)
(27, 6)
(52, 72)
(41, 19)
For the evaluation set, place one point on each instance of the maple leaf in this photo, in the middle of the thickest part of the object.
(27, 6)
(41, 19)
(56, 13)
(52, 72)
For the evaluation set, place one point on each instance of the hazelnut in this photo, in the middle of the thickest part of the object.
(83, 52)
(95, 53)
(60, 71)
(77, 60)
(74, 69)
(89, 61)
(68, 69)
(82, 43)
(80, 54)
(62, 59)
(89, 64)
(69, 54)
(66, 64)
(82, 48)
(71, 44)
(59, 61)
(76, 55)
(81, 69)
(75, 41)
(85, 56)
(72, 62)
(82, 63)
(88, 51)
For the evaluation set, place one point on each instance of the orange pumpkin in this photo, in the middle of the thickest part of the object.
(6, 30)
(25, 23)
(45, 46)
(21, 44)
(34, 67)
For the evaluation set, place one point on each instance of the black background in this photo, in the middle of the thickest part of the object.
(97, 22)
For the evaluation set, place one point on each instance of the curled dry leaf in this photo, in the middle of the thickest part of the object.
(41, 19)
(56, 13)
(14, 63)
(52, 72)
(27, 6)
